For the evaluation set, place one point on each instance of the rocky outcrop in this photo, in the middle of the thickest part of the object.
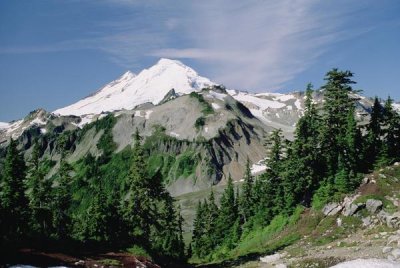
(351, 209)
(373, 205)
(392, 248)
(332, 209)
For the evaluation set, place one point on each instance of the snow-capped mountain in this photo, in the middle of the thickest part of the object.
(4, 125)
(150, 85)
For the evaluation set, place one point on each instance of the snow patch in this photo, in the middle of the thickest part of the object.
(87, 119)
(285, 97)
(215, 95)
(4, 125)
(258, 167)
(396, 106)
(259, 102)
(142, 113)
(174, 134)
(215, 106)
(368, 263)
(14, 126)
(38, 121)
(43, 130)
(148, 113)
(298, 104)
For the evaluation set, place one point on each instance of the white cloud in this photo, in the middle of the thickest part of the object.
(253, 45)
(259, 44)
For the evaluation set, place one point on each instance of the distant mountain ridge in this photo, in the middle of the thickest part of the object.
(169, 79)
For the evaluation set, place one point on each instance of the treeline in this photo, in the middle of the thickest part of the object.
(326, 160)
(78, 206)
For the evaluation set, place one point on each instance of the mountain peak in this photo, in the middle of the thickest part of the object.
(149, 86)
(127, 76)
(165, 61)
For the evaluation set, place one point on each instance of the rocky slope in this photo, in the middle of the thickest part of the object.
(214, 129)
(363, 226)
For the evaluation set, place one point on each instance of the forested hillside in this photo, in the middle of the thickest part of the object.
(325, 161)
(117, 199)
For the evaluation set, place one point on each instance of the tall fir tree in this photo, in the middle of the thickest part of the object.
(336, 108)
(273, 176)
(373, 140)
(40, 195)
(62, 201)
(228, 213)
(303, 168)
(390, 134)
(246, 204)
(137, 204)
(14, 202)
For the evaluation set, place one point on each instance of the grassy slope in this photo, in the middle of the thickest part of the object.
(309, 237)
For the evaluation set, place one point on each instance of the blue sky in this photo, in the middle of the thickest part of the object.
(52, 53)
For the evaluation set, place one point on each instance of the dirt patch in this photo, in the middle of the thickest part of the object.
(45, 259)
(369, 188)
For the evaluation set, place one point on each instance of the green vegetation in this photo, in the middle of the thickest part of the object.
(90, 203)
(207, 108)
(323, 164)
(138, 251)
(199, 123)
(118, 200)
(111, 262)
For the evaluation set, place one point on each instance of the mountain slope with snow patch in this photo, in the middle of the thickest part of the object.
(150, 85)
(4, 125)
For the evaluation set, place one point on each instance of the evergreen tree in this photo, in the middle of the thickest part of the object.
(40, 195)
(303, 168)
(336, 108)
(390, 133)
(211, 223)
(246, 204)
(14, 202)
(275, 190)
(95, 223)
(198, 230)
(137, 204)
(62, 201)
(373, 142)
(228, 213)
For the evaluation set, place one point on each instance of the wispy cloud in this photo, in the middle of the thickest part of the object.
(254, 45)
(259, 44)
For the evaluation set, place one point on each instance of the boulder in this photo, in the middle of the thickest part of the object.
(393, 221)
(271, 258)
(396, 254)
(351, 209)
(366, 221)
(373, 205)
(382, 216)
(331, 209)
(393, 239)
(386, 250)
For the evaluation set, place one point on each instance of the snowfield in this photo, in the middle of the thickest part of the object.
(368, 263)
(150, 85)
(4, 125)
(259, 102)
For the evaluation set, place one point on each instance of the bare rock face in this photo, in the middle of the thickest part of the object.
(351, 209)
(393, 221)
(373, 205)
(331, 209)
